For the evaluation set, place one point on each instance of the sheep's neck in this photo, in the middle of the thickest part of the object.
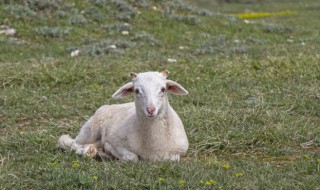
(155, 132)
(153, 125)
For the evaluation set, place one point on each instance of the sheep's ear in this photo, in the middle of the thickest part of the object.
(124, 91)
(175, 88)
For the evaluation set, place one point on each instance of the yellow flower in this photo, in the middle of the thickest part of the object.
(182, 182)
(306, 156)
(226, 166)
(208, 183)
(161, 180)
(95, 86)
(75, 164)
(239, 174)
(213, 182)
(264, 14)
(95, 178)
(53, 164)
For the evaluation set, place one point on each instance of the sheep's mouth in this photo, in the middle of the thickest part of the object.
(151, 115)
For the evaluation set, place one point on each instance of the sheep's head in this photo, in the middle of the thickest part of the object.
(150, 90)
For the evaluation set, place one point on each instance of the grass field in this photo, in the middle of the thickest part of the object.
(252, 115)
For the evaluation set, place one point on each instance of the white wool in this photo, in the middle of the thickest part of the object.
(147, 128)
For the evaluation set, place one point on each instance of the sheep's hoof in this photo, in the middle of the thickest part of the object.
(130, 157)
(175, 157)
(90, 151)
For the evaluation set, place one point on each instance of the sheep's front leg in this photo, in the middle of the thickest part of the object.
(88, 150)
(174, 157)
(121, 153)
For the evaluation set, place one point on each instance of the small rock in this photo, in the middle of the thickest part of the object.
(236, 41)
(290, 40)
(125, 32)
(246, 21)
(171, 60)
(9, 31)
(43, 99)
(113, 47)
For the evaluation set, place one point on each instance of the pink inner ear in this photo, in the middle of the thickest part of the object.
(174, 89)
(127, 91)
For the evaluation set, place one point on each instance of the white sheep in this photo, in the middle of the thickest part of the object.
(147, 128)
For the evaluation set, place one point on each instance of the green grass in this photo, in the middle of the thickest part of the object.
(252, 116)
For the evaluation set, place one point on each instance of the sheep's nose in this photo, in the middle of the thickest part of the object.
(151, 109)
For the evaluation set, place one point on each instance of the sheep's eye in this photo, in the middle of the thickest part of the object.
(137, 91)
(163, 90)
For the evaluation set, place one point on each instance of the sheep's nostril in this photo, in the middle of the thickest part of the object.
(151, 110)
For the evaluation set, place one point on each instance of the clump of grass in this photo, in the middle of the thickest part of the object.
(117, 28)
(54, 32)
(77, 19)
(126, 11)
(101, 3)
(186, 7)
(189, 19)
(207, 49)
(140, 3)
(62, 14)
(212, 46)
(277, 29)
(143, 36)
(104, 47)
(255, 40)
(19, 11)
(13, 41)
(176, 9)
(220, 44)
(44, 5)
(73, 170)
(95, 14)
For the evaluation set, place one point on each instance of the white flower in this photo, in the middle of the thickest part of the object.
(75, 53)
